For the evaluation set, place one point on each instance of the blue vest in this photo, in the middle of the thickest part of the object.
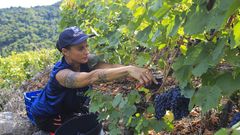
(56, 99)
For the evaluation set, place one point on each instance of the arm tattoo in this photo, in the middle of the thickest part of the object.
(70, 80)
(102, 77)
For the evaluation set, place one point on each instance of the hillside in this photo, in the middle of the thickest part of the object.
(24, 29)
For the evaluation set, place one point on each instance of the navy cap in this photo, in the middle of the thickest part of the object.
(71, 36)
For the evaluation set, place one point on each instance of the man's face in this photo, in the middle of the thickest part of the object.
(79, 53)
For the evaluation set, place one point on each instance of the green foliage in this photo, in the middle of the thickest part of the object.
(217, 17)
(134, 31)
(234, 130)
(24, 29)
(122, 111)
(16, 68)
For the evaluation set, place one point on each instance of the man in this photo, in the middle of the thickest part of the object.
(72, 76)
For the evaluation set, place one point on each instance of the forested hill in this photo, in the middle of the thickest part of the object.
(23, 29)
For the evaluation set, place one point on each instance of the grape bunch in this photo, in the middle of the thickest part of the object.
(235, 119)
(171, 100)
(162, 103)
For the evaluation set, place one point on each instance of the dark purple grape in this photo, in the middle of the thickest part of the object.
(235, 119)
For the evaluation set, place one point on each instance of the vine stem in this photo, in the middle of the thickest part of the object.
(152, 59)
(166, 71)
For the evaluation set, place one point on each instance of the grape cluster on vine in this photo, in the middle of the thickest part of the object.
(171, 100)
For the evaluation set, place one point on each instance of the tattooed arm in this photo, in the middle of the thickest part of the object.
(71, 79)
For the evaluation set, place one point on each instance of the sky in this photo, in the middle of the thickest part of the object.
(25, 3)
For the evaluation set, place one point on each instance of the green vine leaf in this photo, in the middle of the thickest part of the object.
(201, 68)
(144, 34)
(183, 75)
(133, 97)
(228, 83)
(117, 100)
(206, 97)
(217, 53)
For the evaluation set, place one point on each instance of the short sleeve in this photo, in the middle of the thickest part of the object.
(93, 60)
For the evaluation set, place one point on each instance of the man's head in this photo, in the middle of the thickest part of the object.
(72, 43)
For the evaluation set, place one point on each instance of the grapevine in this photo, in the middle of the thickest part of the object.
(190, 39)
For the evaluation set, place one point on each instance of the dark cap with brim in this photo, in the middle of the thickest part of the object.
(71, 36)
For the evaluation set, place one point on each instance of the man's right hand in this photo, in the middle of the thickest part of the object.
(144, 76)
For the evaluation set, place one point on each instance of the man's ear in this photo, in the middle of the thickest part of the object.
(65, 51)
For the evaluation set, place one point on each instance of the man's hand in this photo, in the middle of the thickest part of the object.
(144, 76)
